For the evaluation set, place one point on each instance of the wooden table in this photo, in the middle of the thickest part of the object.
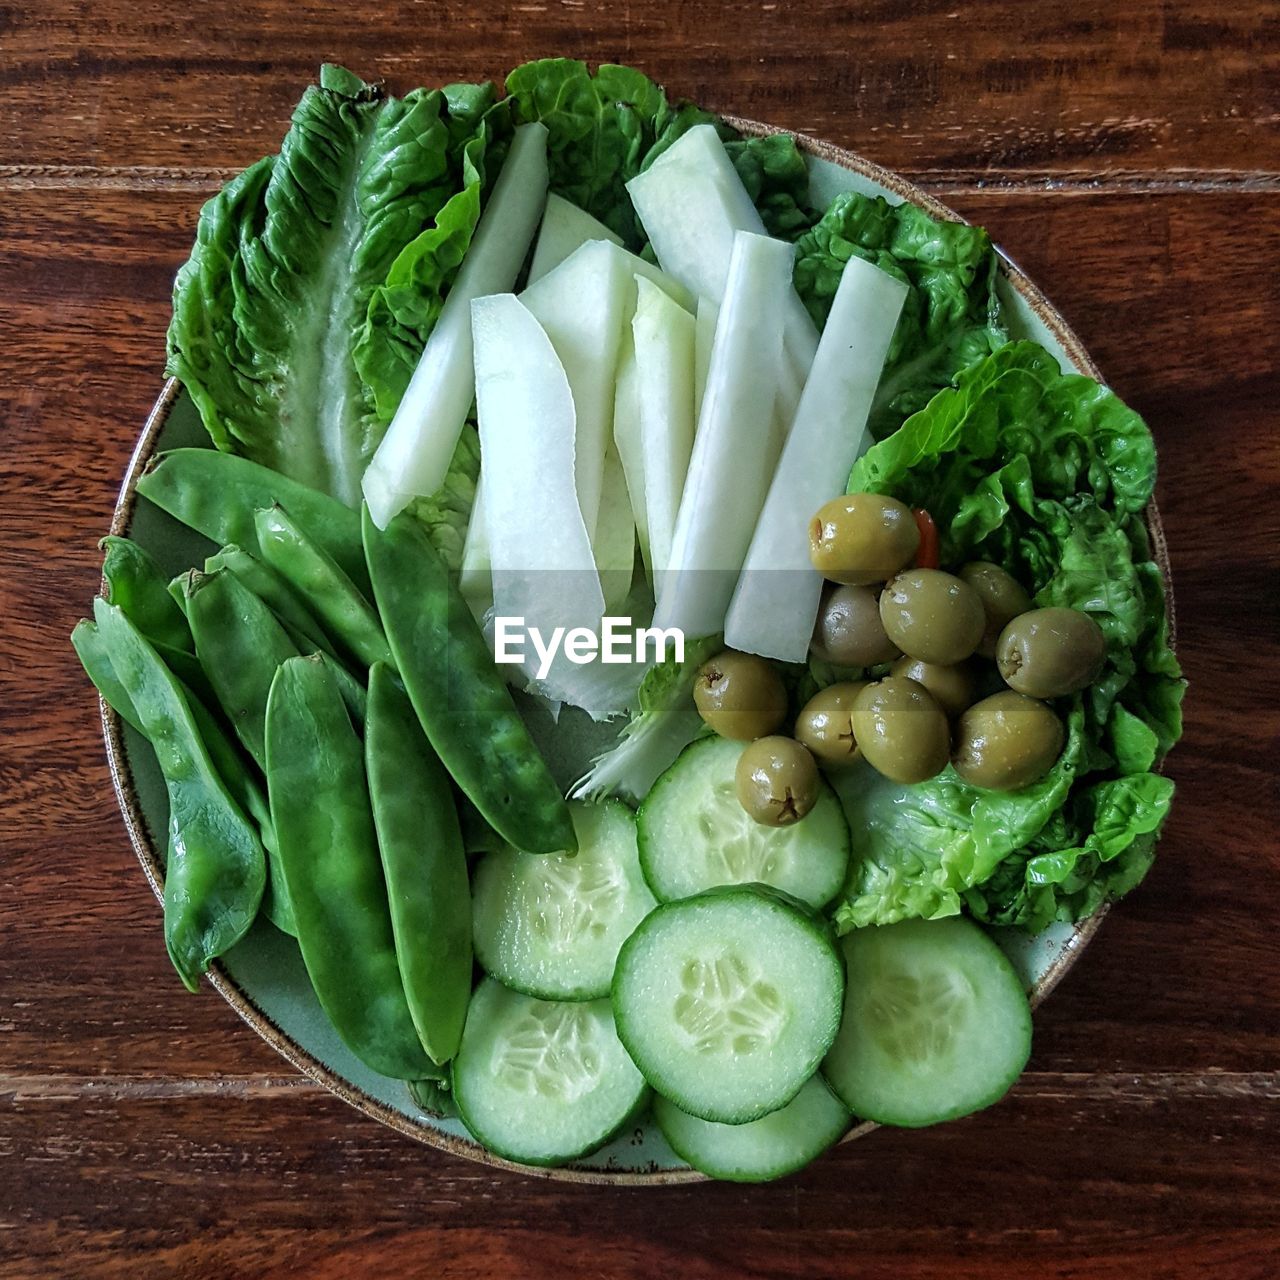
(1127, 156)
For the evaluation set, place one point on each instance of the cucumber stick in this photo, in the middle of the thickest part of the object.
(727, 1001)
(540, 1081)
(552, 926)
(936, 1023)
(694, 834)
(564, 229)
(761, 1150)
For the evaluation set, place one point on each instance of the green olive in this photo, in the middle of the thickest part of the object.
(825, 724)
(776, 781)
(849, 631)
(901, 730)
(1002, 596)
(932, 616)
(952, 687)
(1050, 652)
(862, 538)
(1006, 741)
(740, 696)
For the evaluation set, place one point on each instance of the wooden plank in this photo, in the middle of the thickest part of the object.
(297, 1184)
(1013, 90)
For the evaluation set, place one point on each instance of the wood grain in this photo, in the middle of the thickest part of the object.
(1021, 89)
(1128, 160)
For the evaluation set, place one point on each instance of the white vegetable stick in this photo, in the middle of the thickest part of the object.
(663, 334)
(732, 458)
(703, 336)
(476, 578)
(615, 541)
(692, 203)
(629, 442)
(543, 569)
(564, 228)
(414, 455)
(581, 306)
(776, 599)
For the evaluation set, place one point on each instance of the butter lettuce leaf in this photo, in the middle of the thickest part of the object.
(1046, 474)
(271, 306)
(606, 127)
(952, 316)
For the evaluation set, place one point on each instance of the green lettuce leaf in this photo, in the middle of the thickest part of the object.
(446, 513)
(607, 127)
(271, 306)
(952, 316)
(1046, 474)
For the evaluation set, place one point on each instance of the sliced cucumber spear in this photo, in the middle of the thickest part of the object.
(564, 228)
(776, 599)
(414, 455)
(735, 449)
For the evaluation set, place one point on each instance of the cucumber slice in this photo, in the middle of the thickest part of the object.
(768, 1148)
(543, 1082)
(695, 834)
(551, 925)
(728, 1001)
(936, 1023)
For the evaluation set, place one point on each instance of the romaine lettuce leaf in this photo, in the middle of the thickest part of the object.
(607, 127)
(275, 299)
(952, 317)
(1046, 474)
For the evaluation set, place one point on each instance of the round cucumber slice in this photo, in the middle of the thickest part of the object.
(728, 1000)
(761, 1150)
(695, 834)
(542, 1082)
(551, 925)
(936, 1023)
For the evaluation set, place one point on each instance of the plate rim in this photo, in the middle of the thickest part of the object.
(310, 1066)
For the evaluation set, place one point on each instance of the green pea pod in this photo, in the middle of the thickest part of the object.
(477, 835)
(217, 867)
(329, 849)
(309, 569)
(235, 772)
(424, 865)
(275, 593)
(217, 493)
(135, 583)
(240, 644)
(462, 702)
(435, 1097)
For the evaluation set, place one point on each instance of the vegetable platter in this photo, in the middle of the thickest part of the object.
(581, 351)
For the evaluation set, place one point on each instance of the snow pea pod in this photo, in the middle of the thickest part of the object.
(424, 865)
(462, 702)
(236, 772)
(135, 583)
(329, 848)
(217, 493)
(275, 593)
(240, 644)
(310, 570)
(216, 870)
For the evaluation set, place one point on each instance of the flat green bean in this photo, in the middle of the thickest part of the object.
(217, 493)
(424, 865)
(329, 849)
(311, 571)
(135, 583)
(462, 702)
(216, 869)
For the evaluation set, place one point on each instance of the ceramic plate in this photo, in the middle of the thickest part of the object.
(263, 977)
